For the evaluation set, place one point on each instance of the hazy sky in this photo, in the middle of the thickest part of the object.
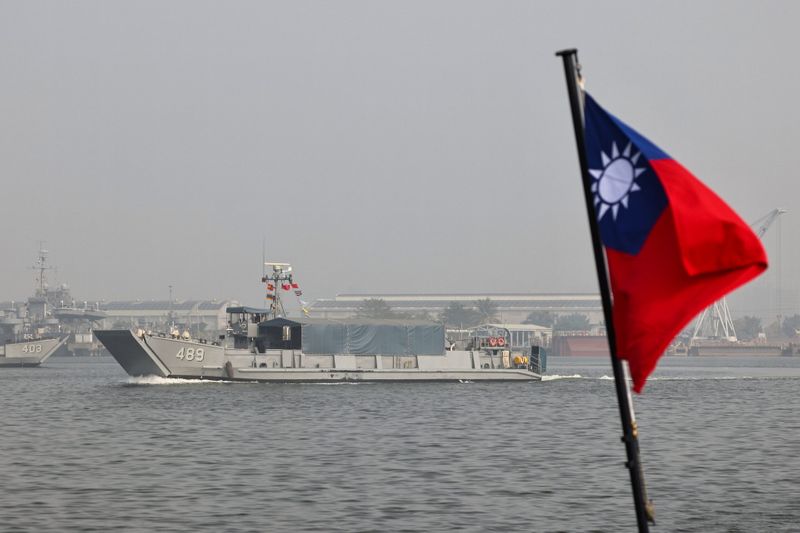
(378, 146)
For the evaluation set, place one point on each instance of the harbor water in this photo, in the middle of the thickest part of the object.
(84, 447)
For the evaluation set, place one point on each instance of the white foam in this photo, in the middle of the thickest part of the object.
(329, 383)
(158, 380)
(553, 377)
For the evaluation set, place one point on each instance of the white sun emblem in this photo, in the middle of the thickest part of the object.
(616, 181)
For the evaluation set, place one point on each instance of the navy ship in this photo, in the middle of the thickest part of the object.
(263, 345)
(29, 333)
(29, 353)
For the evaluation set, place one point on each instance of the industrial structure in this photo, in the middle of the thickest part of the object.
(715, 322)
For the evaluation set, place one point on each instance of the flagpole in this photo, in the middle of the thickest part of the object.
(644, 508)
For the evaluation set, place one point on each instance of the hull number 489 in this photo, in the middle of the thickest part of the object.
(190, 354)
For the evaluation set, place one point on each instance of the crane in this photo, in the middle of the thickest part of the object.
(762, 224)
(715, 321)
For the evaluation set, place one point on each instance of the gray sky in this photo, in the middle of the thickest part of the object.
(379, 146)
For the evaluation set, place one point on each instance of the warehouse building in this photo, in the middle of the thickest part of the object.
(511, 307)
(198, 316)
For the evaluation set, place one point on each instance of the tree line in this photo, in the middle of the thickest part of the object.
(749, 327)
(484, 311)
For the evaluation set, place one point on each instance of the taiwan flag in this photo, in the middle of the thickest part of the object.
(673, 247)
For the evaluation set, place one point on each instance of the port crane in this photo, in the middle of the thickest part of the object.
(715, 321)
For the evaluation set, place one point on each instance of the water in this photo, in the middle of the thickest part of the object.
(86, 448)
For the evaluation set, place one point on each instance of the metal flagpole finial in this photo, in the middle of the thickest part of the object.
(578, 75)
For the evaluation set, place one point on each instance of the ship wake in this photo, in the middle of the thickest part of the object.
(158, 380)
(555, 377)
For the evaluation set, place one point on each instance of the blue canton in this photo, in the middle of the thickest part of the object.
(626, 230)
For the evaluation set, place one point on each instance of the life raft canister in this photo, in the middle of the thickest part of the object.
(501, 341)
(492, 341)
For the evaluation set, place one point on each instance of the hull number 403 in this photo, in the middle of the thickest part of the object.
(190, 354)
(32, 348)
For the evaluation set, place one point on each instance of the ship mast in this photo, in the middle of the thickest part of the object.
(41, 267)
(277, 275)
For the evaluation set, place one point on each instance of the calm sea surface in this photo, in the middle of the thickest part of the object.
(83, 447)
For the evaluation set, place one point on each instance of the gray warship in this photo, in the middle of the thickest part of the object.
(29, 353)
(29, 332)
(263, 345)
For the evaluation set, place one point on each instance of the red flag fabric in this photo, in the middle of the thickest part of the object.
(295, 286)
(286, 286)
(672, 245)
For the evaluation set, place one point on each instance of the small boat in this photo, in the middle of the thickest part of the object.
(261, 346)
